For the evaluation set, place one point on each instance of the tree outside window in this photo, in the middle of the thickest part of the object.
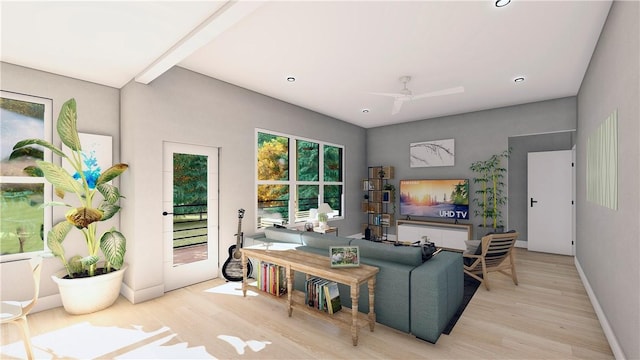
(283, 190)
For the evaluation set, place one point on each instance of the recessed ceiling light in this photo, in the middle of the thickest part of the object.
(291, 79)
(519, 79)
(365, 110)
(502, 3)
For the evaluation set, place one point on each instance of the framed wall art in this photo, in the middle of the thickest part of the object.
(432, 153)
(97, 155)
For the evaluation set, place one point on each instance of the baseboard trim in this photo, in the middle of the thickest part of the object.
(522, 244)
(138, 296)
(47, 302)
(604, 323)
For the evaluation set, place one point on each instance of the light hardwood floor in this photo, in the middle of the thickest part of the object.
(548, 315)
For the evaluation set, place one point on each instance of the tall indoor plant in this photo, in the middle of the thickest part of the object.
(89, 185)
(490, 196)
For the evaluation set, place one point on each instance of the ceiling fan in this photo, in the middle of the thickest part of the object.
(406, 95)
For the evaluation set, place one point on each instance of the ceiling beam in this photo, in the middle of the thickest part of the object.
(224, 18)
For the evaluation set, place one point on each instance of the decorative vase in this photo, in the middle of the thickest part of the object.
(89, 294)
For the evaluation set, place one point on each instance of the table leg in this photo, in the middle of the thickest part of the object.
(355, 294)
(244, 275)
(372, 312)
(289, 288)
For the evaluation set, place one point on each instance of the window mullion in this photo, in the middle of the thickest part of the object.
(293, 179)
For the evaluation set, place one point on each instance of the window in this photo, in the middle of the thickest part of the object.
(24, 222)
(286, 194)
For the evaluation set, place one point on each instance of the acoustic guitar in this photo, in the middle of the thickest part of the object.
(232, 268)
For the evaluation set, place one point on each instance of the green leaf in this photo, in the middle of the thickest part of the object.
(33, 171)
(56, 236)
(27, 151)
(89, 260)
(59, 177)
(108, 210)
(67, 125)
(111, 173)
(114, 245)
(40, 142)
(111, 193)
(75, 265)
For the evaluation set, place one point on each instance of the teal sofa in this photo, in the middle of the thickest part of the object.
(412, 296)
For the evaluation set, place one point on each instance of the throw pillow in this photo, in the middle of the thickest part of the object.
(472, 246)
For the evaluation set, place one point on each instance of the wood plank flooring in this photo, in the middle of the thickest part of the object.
(548, 315)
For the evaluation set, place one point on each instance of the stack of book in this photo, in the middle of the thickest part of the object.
(322, 294)
(272, 278)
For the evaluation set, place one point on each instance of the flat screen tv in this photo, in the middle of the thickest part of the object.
(435, 198)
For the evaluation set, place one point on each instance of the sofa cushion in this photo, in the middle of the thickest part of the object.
(323, 241)
(283, 235)
(407, 255)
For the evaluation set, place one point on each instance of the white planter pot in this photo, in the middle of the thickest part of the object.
(90, 294)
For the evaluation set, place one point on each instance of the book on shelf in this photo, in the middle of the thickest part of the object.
(271, 278)
(322, 295)
(333, 297)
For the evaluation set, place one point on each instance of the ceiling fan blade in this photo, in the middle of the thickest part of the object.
(394, 95)
(397, 104)
(450, 91)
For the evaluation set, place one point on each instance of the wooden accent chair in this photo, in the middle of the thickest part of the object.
(15, 312)
(495, 253)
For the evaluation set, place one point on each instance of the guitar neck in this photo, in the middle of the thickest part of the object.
(239, 234)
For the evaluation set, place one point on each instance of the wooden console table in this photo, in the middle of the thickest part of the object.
(318, 265)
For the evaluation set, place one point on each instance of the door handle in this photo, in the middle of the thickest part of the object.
(532, 202)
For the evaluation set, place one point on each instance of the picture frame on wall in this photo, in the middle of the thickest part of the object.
(344, 256)
(432, 153)
(97, 155)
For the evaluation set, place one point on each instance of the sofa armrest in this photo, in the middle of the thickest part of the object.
(437, 290)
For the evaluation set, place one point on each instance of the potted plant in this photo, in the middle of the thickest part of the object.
(490, 196)
(88, 185)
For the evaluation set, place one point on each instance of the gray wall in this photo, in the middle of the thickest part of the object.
(183, 106)
(98, 113)
(607, 248)
(477, 135)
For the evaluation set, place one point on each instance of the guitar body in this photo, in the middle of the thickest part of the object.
(232, 268)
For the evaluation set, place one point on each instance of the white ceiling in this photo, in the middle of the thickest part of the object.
(339, 51)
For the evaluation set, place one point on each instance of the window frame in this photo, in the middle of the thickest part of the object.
(47, 156)
(292, 181)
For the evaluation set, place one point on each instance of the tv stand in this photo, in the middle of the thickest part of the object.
(443, 234)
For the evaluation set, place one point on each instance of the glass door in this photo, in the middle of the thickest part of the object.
(190, 202)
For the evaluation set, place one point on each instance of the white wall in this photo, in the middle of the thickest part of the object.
(608, 247)
(183, 106)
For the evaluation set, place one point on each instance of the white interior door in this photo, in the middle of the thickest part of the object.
(550, 211)
(190, 203)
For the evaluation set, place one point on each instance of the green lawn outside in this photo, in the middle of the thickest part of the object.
(25, 213)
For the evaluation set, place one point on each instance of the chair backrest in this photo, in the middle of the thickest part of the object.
(36, 269)
(496, 247)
